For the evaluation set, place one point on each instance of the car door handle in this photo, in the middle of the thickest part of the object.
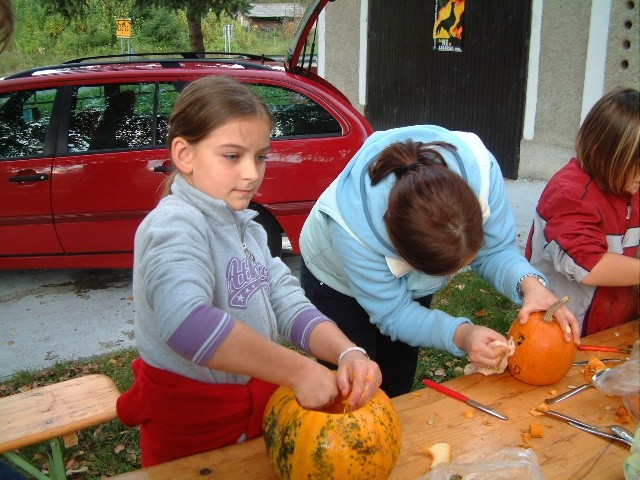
(38, 177)
(163, 169)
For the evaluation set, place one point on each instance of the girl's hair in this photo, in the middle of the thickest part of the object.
(433, 218)
(607, 142)
(208, 103)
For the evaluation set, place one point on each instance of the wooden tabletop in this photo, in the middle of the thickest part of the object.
(428, 417)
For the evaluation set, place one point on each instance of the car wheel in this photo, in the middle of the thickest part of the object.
(272, 227)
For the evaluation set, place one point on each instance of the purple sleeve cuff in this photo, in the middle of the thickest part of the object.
(303, 325)
(201, 333)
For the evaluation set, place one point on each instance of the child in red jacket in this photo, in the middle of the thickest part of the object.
(586, 230)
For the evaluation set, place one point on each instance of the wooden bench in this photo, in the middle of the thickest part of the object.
(53, 412)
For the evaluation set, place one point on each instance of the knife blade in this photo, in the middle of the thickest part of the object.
(580, 363)
(463, 398)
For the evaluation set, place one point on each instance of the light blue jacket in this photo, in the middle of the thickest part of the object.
(345, 244)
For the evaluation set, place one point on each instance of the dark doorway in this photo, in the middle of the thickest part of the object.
(480, 90)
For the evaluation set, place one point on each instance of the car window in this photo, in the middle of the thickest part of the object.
(296, 114)
(167, 97)
(24, 118)
(120, 116)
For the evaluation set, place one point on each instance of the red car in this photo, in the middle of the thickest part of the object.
(83, 154)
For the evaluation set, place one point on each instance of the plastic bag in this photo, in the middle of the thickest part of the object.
(507, 464)
(624, 381)
(631, 467)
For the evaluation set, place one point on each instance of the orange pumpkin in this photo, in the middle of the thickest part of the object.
(542, 356)
(333, 443)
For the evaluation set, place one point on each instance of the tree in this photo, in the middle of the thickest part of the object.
(195, 11)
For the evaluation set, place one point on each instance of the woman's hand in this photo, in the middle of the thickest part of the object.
(476, 340)
(538, 298)
(358, 378)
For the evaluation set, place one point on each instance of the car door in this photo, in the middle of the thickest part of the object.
(26, 220)
(109, 173)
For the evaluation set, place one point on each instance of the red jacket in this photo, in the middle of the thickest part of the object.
(179, 416)
(575, 224)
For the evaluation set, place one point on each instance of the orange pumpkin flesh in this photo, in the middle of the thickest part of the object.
(331, 444)
(542, 356)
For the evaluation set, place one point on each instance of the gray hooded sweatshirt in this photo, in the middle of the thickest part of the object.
(199, 267)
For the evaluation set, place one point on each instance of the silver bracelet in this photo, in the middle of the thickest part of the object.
(519, 284)
(352, 349)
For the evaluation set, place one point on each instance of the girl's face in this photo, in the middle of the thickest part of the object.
(635, 183)
(229, 163)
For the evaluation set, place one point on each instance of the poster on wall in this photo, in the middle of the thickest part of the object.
(448, 25)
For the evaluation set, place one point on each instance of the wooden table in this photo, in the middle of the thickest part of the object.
(428, 417)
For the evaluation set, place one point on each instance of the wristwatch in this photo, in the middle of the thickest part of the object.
(519, 284)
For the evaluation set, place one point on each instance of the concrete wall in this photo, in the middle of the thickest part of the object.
(340, 62)
(582, 55)
(579, 51)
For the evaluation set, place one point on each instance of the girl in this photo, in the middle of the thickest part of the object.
(414, 206)
(586, 228)
(211, 303)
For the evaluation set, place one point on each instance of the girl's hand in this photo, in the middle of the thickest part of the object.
(476, 341)
(358, 378)
(315, 386)
(538, 298)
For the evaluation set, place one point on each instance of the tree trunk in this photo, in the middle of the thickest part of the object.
(195, 31)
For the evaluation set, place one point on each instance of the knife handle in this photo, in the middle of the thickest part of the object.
(442, 389)
(601, 348)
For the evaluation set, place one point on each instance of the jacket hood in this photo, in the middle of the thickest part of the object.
(363, 206)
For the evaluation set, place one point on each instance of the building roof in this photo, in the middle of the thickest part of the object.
(275, 10)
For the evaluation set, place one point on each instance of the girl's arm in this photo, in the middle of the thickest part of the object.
(614, 270)
(247, 352)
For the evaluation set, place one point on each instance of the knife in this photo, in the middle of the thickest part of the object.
(622, 433)
(602, 348)
(463, 398)
(603, 360)
(599, 433)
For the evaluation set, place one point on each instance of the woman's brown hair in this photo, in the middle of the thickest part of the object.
(208, 103)
(607, 142)
(433, 218)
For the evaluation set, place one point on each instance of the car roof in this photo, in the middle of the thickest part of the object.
(154, 61)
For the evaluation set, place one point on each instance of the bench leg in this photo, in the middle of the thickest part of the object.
(55, 462)
(26, 466)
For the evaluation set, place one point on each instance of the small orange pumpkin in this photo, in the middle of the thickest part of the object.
(542, 356)
(333, 443)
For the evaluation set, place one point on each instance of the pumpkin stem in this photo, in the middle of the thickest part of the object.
(548, 315)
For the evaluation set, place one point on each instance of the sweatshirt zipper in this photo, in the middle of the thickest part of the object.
(628, 209)
(273, 330)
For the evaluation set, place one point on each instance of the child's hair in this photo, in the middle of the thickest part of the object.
(433, 218)
(208, 103)
(607, 142)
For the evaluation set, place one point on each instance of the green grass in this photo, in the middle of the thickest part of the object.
(112, 448)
